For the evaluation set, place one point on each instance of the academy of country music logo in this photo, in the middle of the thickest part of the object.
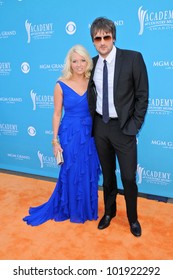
(5, 68)
(10, 129)
(153, 176)
(45, 160)
(155, 20)
(38, 31)
(160, 106)
(42, 101)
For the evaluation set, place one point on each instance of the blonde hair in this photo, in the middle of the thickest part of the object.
(79, 49)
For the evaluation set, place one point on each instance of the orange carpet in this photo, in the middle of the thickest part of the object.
(68, 241)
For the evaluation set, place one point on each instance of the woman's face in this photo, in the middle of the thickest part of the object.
(78, 64)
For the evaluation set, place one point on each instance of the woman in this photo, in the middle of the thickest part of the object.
(75, 196)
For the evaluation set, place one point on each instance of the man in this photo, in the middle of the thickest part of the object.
(116, 121)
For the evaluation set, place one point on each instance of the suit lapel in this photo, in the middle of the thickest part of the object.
(118, 64)
(91, 83)
(94, 66)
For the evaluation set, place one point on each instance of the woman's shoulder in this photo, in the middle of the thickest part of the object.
(64, 81)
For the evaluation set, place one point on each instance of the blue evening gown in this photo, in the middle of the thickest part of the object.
(75, 196)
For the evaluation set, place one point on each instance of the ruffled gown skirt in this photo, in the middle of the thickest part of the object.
(75, 196)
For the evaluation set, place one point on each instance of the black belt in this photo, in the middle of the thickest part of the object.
(100, 116)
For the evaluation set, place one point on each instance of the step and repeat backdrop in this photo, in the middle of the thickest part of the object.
(35, 36)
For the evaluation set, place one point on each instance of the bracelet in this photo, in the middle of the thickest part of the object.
(55, 141)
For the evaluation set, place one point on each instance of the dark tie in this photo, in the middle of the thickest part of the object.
(105, 108)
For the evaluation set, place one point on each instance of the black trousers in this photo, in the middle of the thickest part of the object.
(112, 144)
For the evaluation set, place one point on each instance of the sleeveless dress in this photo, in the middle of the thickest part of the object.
(75, 196)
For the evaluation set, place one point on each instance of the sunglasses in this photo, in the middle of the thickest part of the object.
(105, 38)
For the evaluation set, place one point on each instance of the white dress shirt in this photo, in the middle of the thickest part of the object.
(98, 79)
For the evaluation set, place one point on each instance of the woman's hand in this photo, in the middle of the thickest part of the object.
(56, 147)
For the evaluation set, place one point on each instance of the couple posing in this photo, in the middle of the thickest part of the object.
(105, 101)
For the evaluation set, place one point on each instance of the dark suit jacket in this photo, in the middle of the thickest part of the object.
(130, 90)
